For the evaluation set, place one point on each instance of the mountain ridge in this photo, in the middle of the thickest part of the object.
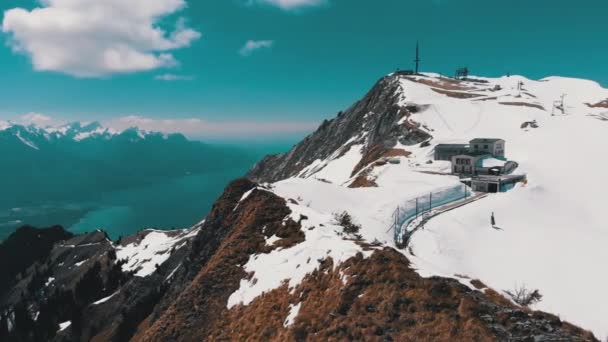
(317, 224)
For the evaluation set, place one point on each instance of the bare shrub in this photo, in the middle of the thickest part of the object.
(345, 220)
(524, 297)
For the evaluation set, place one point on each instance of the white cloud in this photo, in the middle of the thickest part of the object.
(292, 4)
(94, 38)
(173, 77)
(198, 128)
(37, 119)
(253, 45)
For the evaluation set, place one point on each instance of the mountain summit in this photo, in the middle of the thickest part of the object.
(325, 221)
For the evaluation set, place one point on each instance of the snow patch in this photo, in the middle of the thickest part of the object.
(78, 264)
(154, 249)
(294, 310)
(337, 168)
(290, 266)
(103, 300)
(64, 325)
(27, 142)
(271, 240)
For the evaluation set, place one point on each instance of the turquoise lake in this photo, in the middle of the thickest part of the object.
(173, 203)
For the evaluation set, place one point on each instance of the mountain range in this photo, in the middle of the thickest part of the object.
(306, 247)
(66, 172)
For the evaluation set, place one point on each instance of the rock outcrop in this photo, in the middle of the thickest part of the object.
(378, 122)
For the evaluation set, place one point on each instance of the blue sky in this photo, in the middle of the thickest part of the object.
(268, 67)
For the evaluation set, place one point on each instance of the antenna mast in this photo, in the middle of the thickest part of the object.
(559, 105)
(417, 60)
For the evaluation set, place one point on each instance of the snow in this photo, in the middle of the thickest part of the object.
(80, 263)
(85, 135)
(553, 232)
(492, 162)
(293, 313)
(333, 169)
(27, 142)
(173, 272)
(271, 240)
(373, 207)
(244, 197)
(103, 300)
(49, 281)
(64, 325)
(154, 249)
(291, 265)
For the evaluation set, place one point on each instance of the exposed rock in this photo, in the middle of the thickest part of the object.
(601, 104)
(23, 248)
(373, 122)
(523, 104)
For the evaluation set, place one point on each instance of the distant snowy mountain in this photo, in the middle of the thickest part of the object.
(78, 163)
(32, 136)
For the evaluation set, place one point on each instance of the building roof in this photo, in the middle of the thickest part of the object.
(440, 146)
(492, 162)
(473, 155)
(485, 140)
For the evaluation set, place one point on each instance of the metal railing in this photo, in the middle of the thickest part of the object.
(416, 207)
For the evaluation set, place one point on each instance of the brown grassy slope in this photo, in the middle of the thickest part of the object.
(376, 152)
(444, 83)
(457, 95)
(197, 310)
(383, 300)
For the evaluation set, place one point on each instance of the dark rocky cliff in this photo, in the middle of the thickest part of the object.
(375, 121)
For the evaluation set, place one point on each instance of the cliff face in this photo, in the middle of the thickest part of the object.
(378, 121)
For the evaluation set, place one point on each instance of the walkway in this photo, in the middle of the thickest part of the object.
(415, 224)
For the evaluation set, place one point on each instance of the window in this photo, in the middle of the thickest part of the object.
(485, 147)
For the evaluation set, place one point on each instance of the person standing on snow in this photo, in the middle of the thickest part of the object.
(493, 220)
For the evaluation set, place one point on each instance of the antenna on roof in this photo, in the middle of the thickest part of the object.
(559, 105)
(520, 87)
(417, 60)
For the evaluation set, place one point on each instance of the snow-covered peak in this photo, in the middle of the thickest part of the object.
(551, 227)
(4, 125)
(36, 137)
